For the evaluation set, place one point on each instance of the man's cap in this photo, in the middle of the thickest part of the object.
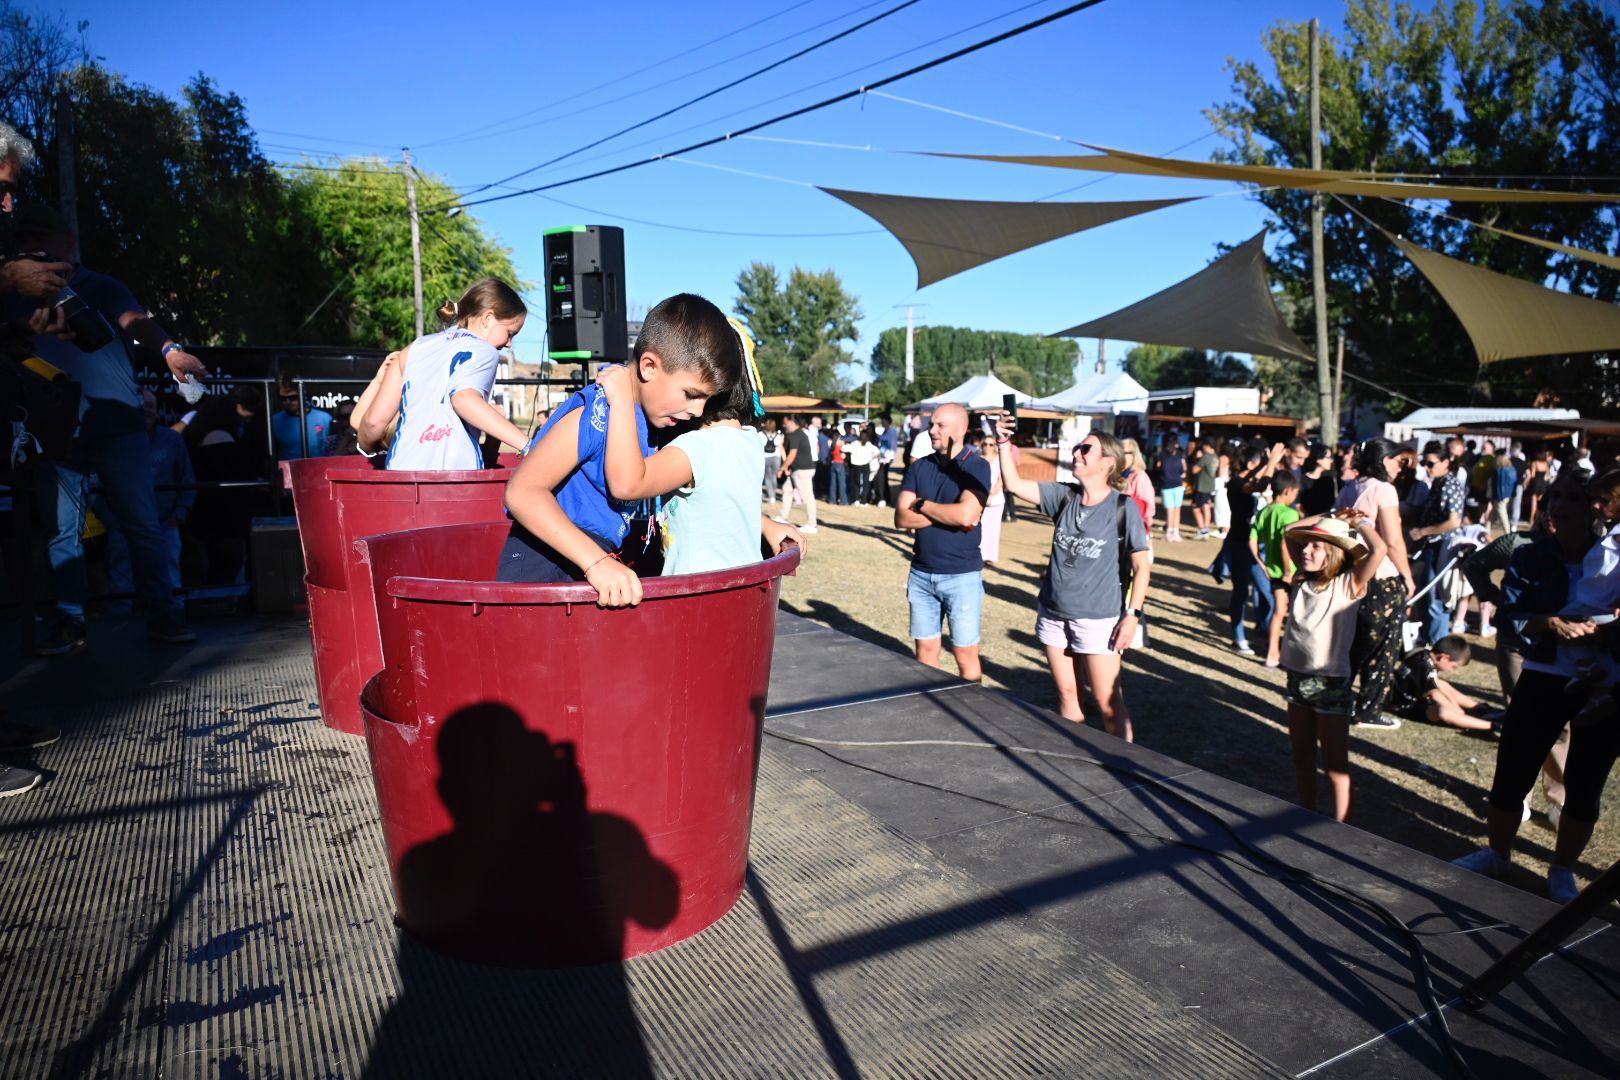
(40, 218)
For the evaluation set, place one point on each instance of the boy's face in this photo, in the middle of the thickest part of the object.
(1445, 664)
(670, 397)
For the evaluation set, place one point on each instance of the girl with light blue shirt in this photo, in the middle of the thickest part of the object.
(707, 478)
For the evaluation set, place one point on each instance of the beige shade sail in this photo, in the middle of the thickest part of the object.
(948, 236)
(1325, 180)
(1611, 261)
(1507, 317)
(1227, 306)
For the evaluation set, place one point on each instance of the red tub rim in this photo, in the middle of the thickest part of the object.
(366, 475)
(465, 591)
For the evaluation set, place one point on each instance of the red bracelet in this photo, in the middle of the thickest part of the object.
(614, 555)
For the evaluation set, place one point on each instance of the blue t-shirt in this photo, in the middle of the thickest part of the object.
(109, 402)
(942, 549)
(584, 495)
(284, 429)
(1172, 470)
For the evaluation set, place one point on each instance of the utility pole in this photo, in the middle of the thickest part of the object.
(1102, 356)
(1338, 386)
(911, 348)
(64, 159)
(1324, 375)
(416, 235)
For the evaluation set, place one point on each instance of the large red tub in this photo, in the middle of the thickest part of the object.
(338, 500)
(562, 784)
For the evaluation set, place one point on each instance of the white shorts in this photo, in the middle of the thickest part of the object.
(1083, 637)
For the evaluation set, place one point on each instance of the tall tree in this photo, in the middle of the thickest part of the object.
(1527, 92)
(947, 355)
(799, 328)
(354, 213)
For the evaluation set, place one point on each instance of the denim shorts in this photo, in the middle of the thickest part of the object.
(1172, 497)
(936, 597)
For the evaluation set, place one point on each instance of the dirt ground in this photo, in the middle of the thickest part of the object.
(1189, 694)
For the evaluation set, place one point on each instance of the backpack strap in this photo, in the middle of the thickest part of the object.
(1126, 572)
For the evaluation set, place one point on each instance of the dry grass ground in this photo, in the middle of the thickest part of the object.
(1190, 696)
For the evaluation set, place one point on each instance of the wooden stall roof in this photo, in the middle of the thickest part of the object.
(1233, 420)
(791, 403)
(1539, 429)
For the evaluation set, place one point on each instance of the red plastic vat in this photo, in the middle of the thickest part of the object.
(338, 500)
(561, 784)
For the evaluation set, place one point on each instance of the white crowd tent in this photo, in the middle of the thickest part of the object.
(1422, 425)
(979, 392)
(1099, 395)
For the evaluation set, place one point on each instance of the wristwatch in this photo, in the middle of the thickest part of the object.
(1135, 613)
(917, 504)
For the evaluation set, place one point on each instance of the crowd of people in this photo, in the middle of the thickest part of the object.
(1354, 566)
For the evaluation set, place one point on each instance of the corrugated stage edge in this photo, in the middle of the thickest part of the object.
(201, 892)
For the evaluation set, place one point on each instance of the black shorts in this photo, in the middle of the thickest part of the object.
(1203, 498)
(526, 559)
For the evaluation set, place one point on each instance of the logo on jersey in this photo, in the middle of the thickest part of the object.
(599, 413)
(435, 434)
(459, 359)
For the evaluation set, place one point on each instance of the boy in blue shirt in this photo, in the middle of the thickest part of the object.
(567, 524)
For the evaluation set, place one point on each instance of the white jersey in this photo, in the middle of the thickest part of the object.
(431, 436)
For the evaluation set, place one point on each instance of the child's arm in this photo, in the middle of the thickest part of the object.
(529, 497)
(1366, 569)
(475, 408)
(777, 534)
(379, 402)
(629, 475)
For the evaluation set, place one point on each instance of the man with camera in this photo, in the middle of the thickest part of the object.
(111, 444)
(36, 280)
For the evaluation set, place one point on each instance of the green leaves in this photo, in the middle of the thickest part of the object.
(799, 328)
(947, 355)
(1505, 88)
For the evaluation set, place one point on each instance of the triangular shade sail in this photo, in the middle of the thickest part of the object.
(948, 236)
(1226, 306)
(1325, 180)
(1611, 261)
(979, 392)
(1099, 394)
(1507, 317)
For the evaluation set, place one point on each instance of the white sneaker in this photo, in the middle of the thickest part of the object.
(1561, 884)
(1484, 861)
(782, 520)
(807, 528)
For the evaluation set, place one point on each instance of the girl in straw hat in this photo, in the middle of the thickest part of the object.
(1337, 556)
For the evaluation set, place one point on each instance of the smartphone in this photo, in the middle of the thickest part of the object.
(1009, 403)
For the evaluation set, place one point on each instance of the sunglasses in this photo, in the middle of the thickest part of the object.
(1086, 448)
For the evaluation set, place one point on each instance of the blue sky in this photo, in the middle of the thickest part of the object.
(448, 81)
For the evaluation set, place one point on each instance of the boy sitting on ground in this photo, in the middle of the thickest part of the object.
(1419, 693)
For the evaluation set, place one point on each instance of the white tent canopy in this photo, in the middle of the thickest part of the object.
(1106, 395)
(979, 392)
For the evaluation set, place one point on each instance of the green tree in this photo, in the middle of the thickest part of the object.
(353, 212)
(799, 328)
(1500, 89)
(1162, 367)
(947, 355)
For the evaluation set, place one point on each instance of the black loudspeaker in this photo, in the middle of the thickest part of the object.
(585, 316)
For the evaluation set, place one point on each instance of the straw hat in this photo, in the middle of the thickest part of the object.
(1332, 530)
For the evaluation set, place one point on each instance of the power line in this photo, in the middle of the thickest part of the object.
(467, 136)
(752, 107)
(845, 96)
(711, 93)
(708, 232)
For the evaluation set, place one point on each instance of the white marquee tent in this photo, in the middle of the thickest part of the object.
(1099, 395)
(979, 392)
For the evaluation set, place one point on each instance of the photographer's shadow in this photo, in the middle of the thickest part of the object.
(533, 881)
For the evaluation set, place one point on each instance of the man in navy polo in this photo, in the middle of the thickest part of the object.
(942, 499)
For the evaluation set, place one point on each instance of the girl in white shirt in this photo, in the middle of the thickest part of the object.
(440, 386)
